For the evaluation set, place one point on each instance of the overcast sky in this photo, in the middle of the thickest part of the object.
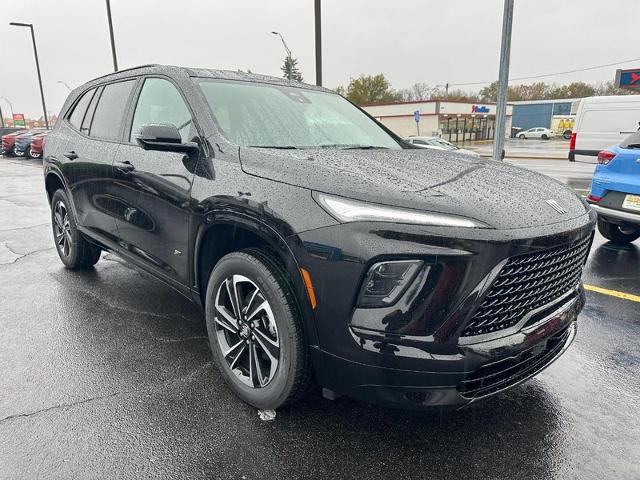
(432, 41)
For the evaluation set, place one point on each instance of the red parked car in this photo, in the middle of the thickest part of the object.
(37, 145)
(8, 142)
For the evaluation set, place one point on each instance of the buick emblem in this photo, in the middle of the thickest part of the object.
(556, 206)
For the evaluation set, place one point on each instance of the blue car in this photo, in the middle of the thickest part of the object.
(615, 191)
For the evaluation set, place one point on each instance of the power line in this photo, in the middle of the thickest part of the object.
(551, 74)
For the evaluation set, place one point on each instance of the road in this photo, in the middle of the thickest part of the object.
(107, 374)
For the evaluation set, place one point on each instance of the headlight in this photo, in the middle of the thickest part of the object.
(386, 282)
(348, 210)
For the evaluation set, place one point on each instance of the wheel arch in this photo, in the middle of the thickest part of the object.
(227, 232)
(53, 181)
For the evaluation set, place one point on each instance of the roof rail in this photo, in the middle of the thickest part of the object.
(126, 70)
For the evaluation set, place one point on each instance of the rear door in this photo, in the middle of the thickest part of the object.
(89, 157)
(155, 186)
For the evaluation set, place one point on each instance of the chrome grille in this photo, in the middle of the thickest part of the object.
(528, 282)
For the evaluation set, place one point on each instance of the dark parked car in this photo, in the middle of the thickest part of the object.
(22, 143)
(320, 245)
(8, 141)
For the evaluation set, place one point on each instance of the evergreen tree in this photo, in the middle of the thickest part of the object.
(290, 69)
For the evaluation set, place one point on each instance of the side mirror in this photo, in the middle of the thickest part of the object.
(163, 137)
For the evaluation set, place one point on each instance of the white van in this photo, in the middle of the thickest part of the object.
(602, 122)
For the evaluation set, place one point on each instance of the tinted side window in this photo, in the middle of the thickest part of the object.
(78, 111)
(419, 142)
(161, 102)
(86, 123)
(109, 114)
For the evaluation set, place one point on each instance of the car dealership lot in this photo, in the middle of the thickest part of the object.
(109, 371)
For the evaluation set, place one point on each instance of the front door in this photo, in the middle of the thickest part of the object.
(154, 187)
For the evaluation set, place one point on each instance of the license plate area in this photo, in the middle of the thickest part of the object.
(631, 202)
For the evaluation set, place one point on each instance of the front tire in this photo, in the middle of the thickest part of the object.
(74, 251)
(616, 233)
(522, 136)
(545, 137)
(255, 330)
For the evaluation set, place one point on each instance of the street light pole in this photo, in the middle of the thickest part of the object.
(113, 42)
(10, 105)
(35, 52)
(503, 81)
(65, 84)
(286, 50)
(318, 22)
(1, 118)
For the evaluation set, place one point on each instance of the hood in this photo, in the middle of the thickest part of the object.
(495, 193)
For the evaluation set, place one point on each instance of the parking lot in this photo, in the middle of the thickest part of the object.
(109, 371)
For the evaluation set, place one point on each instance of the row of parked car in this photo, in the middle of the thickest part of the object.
(22, 142)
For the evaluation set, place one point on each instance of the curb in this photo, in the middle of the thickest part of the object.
(527, 157)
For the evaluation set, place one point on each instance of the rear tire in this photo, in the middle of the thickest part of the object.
(261, 353)
(74, 251)
(615, 233)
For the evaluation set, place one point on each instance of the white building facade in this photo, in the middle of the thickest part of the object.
(451, 120)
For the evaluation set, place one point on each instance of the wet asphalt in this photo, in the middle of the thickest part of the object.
(107, 374)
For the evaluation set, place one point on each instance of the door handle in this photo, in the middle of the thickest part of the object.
(71, 155)
(125, 167)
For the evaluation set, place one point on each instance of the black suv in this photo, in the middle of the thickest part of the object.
(321, 246)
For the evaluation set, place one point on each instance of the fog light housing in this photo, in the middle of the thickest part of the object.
(385, 282)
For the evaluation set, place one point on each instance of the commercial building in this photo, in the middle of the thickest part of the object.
(554, 114)
(452, 120)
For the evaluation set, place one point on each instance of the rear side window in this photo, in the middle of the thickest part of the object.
(81, 107)
(109, 114)
(86, 123)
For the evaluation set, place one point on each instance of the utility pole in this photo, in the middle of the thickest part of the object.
(503, 81)
(35, 52)
(113, 42)
(1, 118)
(318, 20)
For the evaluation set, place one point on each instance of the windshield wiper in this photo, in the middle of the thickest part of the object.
(277, 147)
(633, 145)
(343, 146)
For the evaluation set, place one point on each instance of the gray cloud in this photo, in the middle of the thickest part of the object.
(433, 41)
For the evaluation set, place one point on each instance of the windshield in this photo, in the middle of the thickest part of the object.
(277, 116)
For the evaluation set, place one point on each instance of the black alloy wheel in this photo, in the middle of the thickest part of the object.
(255, 330)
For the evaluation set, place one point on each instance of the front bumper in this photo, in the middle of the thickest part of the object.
(485, 369)
(415, 353)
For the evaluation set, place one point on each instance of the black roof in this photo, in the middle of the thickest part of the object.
(172, 70)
